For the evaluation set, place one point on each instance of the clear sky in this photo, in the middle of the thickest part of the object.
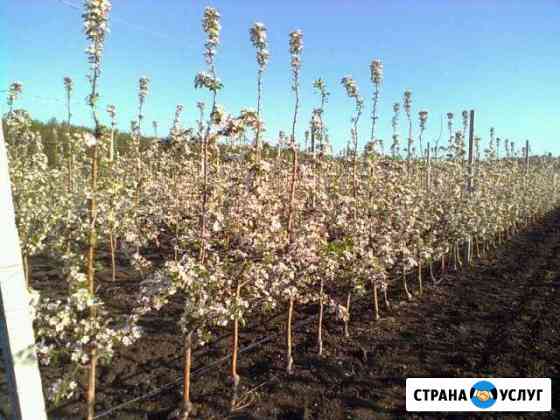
(499, 57)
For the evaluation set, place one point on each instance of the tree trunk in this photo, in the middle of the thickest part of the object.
(455, 256)
(405, 287)
(432, 277)
(289, 368)
(458, 255)
(91, 383)
(187, 405)
(91, 280)
(420, 289)
(387, 304)
(375, 300)
(477, 246)
(320, 327)
(348, 299)
(235, 345)
(113, 263)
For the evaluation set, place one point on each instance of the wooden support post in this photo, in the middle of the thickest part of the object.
(16, 328)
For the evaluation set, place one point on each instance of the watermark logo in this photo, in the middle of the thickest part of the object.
(483, 394)
(478, 394)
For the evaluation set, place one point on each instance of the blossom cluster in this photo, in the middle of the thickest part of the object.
(211, 26)
(376, 71)
(296, 48)
(259, 40)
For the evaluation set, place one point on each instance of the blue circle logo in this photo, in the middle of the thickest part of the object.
(484, 394)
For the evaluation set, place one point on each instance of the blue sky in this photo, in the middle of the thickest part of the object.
(501, 58)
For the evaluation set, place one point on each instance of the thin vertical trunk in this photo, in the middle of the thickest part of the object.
(405, 286)
(347, 320)
(385, 298)
(177, 215)
(291, 210)
(204, 200)
(374, 111)
(234, 353)
(432, 272)
(428, 169)
(112, 144)
(454, 255)
(320, 327)
(91, 383)
(187, 405)
(289, 368)
(291, 236)
(409, 143)
(113, 263)
(314, 167)
(375, 301)
(420, 289)
(458, 255)
(258, 131)
(477, 247)
(91, 279)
